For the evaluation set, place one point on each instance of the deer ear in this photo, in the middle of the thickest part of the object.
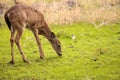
(53, 35)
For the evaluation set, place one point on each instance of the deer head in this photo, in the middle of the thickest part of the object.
(55, 44)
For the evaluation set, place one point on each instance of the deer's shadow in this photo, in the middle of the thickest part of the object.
(49, 59)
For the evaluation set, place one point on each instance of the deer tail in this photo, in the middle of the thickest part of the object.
(7, 21)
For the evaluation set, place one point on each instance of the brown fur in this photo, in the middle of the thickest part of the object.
(19, 17)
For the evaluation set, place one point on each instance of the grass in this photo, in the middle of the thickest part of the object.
(88, 54)
(96, 12)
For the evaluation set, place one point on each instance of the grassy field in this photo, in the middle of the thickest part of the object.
(88, 54)
(96, 12)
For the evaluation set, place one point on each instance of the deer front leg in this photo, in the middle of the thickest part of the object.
(35, 31)
(17, 41)
(12, 45)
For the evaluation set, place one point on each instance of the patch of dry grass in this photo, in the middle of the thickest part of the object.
(96, 12)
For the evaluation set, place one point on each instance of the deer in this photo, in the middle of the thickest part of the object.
(19, 17)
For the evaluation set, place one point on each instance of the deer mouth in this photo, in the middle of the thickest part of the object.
(59, 54)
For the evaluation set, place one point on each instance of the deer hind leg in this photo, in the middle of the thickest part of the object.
(12, 45)
(35, 31)
(17, 41)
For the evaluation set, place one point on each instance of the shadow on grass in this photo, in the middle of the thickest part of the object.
(55, 58)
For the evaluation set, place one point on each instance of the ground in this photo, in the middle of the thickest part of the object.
(89, 53)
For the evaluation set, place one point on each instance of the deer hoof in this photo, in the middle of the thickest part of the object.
(41, 57)
(11, 62)
(26, 61)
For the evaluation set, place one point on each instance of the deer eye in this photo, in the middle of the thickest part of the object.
(59, 46)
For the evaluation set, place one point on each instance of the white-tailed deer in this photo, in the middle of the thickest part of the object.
(20, 17)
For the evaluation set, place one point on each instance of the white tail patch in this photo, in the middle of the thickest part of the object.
(11, 29)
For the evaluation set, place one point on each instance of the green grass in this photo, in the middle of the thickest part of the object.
(94, 54)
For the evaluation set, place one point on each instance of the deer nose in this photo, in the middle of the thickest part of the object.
(59, 54)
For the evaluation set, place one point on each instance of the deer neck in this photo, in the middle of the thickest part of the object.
(45, 31)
